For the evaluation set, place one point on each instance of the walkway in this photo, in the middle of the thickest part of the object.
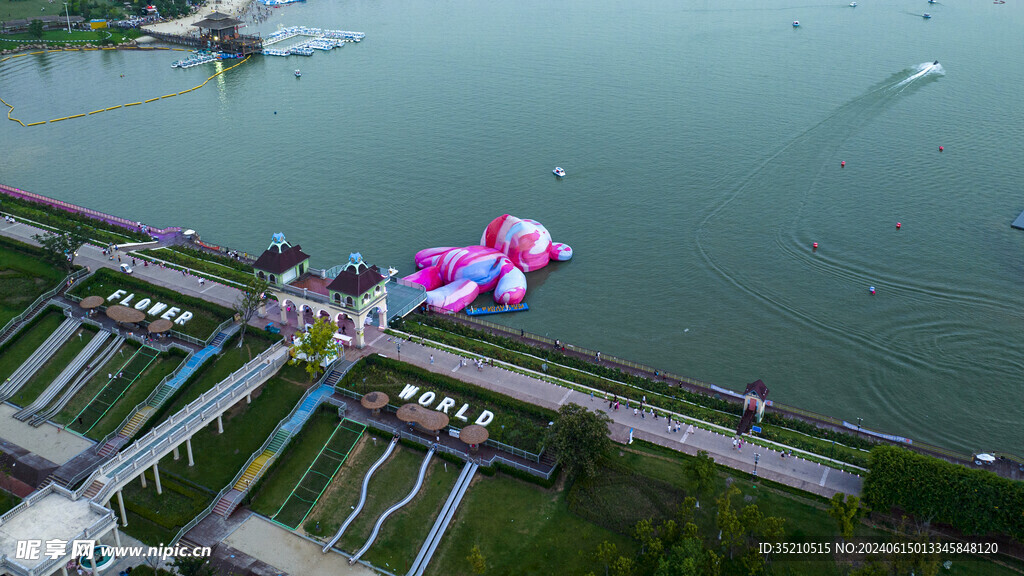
(795, 472)
(278, 547)
(46, 440)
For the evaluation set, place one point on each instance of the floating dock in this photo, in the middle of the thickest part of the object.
(319, 39)
(197, 59)
(499, 309)
(1019, 222)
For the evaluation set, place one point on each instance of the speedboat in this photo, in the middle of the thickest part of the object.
(926, 15)
(298, 74)
(936, 63)
(558, 172)
(931, 1)
(796, 23)
(853, 4)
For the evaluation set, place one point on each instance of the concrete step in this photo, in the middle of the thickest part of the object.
(136, 422)
(94, 489)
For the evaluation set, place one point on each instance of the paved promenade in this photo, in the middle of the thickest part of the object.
(794, 472)
(269, 542)
(47, 440)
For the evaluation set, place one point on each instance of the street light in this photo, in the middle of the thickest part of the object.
(859, 420)
(67, 16)
(757, 457)
(399, 351)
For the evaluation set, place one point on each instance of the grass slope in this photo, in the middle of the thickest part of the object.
(54, 366)
(24, 275)
(95, 384)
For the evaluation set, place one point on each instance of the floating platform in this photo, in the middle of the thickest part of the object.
(319, 39)
(1019, 222)
(500, 309)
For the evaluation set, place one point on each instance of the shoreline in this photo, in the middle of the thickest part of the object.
(182, 26)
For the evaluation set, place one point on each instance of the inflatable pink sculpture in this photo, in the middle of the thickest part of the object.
(454, 277)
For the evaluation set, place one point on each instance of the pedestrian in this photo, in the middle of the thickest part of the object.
(740, 446)
(598, 356)
(635, 412)
(110, 376)
(616, 404)
(669, 428)
(431, 358)
(655, 414)
(643, 414)
(118, 257)
(734, 443)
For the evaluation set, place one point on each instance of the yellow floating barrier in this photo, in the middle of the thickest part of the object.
(40, 52)
(169, 95)
(151, 100)
(32, 124)
(132, 104)
(185, 91)
(97, 111)
(58, 119)
(76, 116)
(113, 107)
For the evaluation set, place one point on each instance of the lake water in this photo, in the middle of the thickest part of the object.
(702, 142)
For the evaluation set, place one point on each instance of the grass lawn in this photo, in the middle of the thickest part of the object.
(95, 384)
(125, 377)
(516, 423)
(156, 519)
(137, 392)
(246, 427)
(206, 316)
(24, 275)
(7, 501)
(21, 346)
(54, 366)
(404, 531)
(521, 529)
(343, 493)
(212, 372)
(289, 467)
(54, 217)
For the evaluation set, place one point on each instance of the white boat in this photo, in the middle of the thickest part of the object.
(927, 15)
(558, 172)
(298, 74)
(796, 23)
(931, 1)
(853, 4)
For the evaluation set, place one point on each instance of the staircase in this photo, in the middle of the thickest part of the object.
(94, 489)
(64, 377)
(36, 360)
(227, 504)
(219, 340)
(135, 423)
(253, 470)
(112, 446)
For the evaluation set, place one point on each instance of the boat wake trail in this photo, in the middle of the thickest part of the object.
(923, 69)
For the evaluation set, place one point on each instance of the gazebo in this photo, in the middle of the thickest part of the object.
(374, 401)
(90, 302)
(429, 420)
(474, 435)
(160, 326)
(219, 31)
(125, 315)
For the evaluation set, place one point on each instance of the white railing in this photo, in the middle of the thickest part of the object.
(141, 450)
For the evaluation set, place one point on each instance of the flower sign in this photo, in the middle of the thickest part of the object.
(151, 308)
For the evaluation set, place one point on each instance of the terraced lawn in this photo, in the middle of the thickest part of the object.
(23, 344)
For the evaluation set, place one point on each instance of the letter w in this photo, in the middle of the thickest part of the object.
(408, 392)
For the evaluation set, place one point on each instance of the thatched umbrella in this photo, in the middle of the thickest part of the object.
(374, 401)
(430, 420)
(474, 435)
(90, 302)
(160, 326)
(125, 315)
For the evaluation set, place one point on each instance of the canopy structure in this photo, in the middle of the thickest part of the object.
(986, 458)
(427, 419)
(374, 400)
(474, 434)
(125, 315)
(90, 302)
(160, 326)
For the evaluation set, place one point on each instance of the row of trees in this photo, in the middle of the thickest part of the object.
(975, 502)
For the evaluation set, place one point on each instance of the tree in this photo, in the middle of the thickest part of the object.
(623, 566)
(476, 560)
(701, 469)
(606, 552)
(643, 532)
(728, 522)
(317, 345)
(60, 248)
(35, 29)
(249, 302)
(580, 437)
(845, 513)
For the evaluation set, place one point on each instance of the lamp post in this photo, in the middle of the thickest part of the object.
(68, 16)
(859, 420)
(757, 457)
(399, 351)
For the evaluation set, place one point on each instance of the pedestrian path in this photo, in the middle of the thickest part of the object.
(792, 471)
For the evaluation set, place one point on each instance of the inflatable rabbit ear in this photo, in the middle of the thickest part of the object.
(560, 252)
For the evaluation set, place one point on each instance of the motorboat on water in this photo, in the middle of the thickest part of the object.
(931, 1)
(796, 23)
(558, 172)
(936, 63)
(926, 15)
(298, 74)
(853, 4)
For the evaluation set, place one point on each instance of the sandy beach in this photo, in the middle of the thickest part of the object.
(184, 25)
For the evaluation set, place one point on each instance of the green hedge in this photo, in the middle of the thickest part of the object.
(218, 258)
(200, 266)
(64, 220)
(525, 425)
(708, 408)
(975, 502)
(206, 315)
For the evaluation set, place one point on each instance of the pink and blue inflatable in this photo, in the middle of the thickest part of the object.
(510, 246)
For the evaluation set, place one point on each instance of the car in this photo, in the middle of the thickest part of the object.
(272, 329)
(126, 268)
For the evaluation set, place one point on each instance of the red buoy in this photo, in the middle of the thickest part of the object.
(815, 245)
(941, 148)
(898, 225)
(842, 164)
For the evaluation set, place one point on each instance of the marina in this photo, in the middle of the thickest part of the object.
(197, 60)
(319, 39)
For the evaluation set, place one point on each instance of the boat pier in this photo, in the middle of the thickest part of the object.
(319, 39)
